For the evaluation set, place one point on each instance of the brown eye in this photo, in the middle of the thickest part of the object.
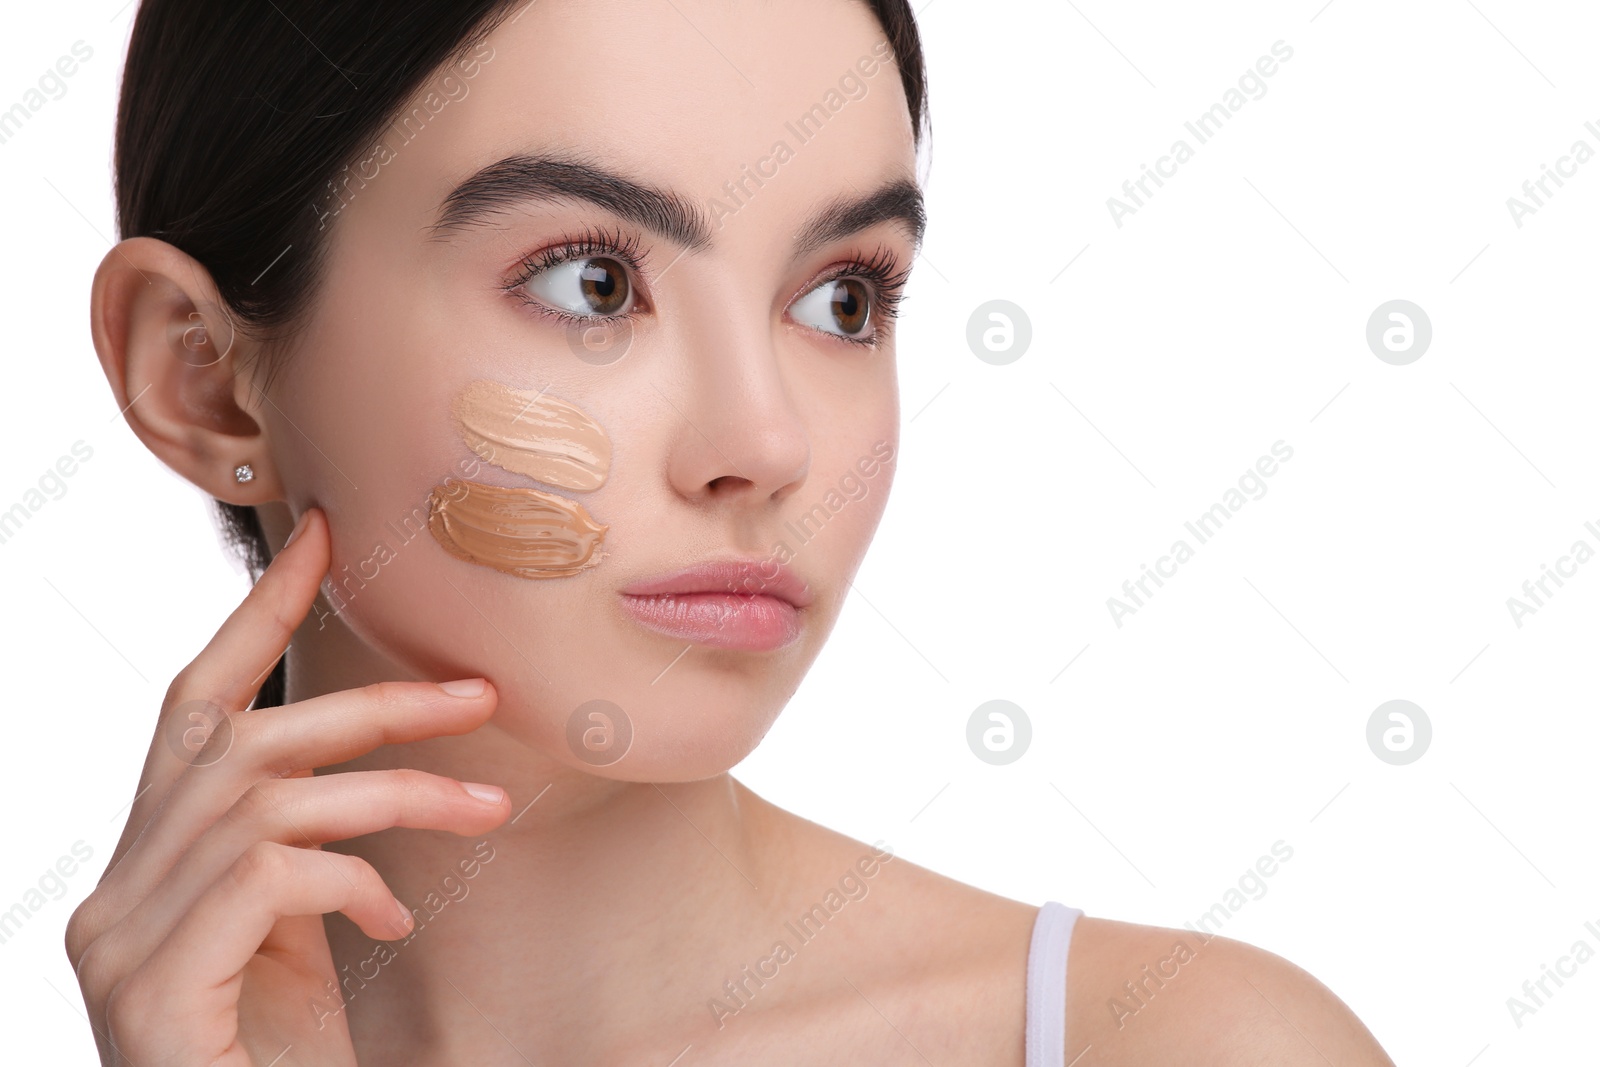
(588, 286)
(841, 306)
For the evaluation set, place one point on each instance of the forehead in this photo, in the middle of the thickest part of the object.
(689, 95)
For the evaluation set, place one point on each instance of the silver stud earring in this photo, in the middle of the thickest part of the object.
(243, 473)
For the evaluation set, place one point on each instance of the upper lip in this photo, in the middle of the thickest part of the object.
(748, 577)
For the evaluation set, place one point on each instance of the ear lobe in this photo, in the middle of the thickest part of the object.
(178, 366)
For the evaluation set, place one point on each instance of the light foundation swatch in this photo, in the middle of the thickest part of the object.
(546, 438)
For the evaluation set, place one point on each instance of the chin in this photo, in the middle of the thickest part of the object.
(701, 717)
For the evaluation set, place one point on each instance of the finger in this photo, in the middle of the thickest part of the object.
(230, 669)
(189, 986)
(237, 659)
(302, 812)
(275, 742)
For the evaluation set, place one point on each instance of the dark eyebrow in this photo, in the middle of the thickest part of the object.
(501, 185)
(898, 201)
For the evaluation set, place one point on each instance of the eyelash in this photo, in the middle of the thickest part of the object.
(589, 243)
(881, 269)
(888, 279)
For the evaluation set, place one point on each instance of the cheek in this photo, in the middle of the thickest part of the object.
(856, 492)
(435, 617)
(556, 649)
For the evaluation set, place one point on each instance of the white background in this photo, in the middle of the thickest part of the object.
(1228, 313)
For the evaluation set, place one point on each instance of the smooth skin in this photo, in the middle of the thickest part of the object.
(619, 899)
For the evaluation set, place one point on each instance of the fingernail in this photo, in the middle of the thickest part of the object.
(466, 687)
(405, 915)
(490, 794)
(298, 528)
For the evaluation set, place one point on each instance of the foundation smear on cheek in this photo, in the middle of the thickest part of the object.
(541, 436)
(525, 532)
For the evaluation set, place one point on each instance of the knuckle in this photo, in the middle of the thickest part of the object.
(282, 621)
(95, 969)
(371, 882)
(414, 786)
(266, 607)
(82, 928)
(388, 695)
(360, 873)
(127, 1005)
(179, 686)
(263, 863)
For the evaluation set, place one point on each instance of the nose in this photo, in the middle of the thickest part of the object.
(739, 432)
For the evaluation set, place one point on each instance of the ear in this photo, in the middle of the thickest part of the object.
(179, 369)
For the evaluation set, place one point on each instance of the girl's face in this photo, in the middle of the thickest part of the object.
(683, 357)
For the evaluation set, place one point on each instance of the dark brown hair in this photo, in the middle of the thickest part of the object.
(235, 118)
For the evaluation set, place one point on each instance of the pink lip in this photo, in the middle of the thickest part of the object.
(751, 605)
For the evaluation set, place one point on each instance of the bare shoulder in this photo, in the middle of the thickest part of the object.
(1136, 994)
(1142, 994)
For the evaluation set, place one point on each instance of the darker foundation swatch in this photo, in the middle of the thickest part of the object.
(525, 532)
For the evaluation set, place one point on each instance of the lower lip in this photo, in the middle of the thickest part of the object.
(720, 620)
